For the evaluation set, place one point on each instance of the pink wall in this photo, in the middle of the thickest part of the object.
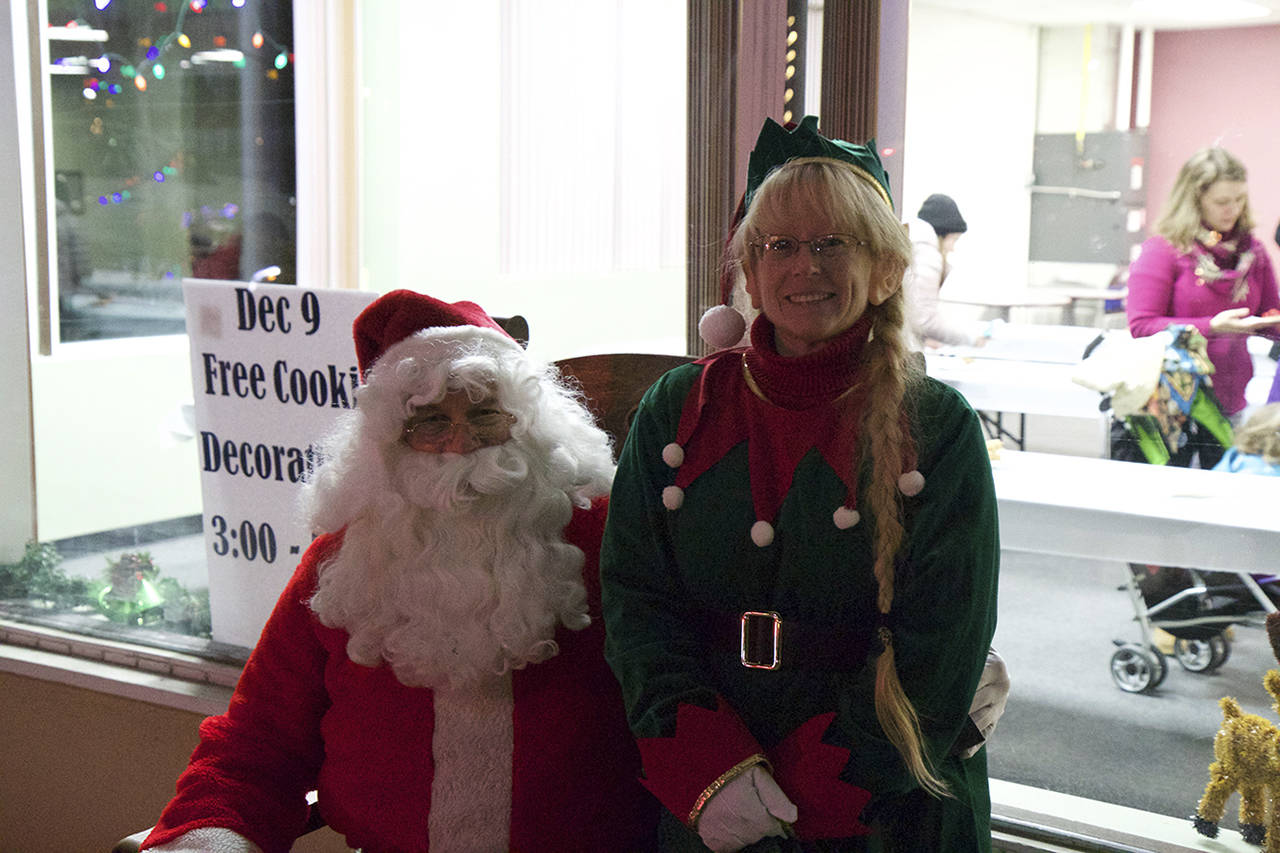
(1218, 87)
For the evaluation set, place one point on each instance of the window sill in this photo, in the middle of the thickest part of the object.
(1083, 824)
(159, 677)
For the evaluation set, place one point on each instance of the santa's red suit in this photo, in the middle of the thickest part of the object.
(304, 716)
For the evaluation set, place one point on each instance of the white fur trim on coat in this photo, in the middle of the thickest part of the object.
(472, 748)
(209, 839)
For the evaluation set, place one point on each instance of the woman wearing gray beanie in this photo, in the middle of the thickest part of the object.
(933, 234)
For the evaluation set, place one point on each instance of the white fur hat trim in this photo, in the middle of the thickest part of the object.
(673, 455)
(762, 534)
(673, 497)
(440, 344)
(846, 517)
(911, 483)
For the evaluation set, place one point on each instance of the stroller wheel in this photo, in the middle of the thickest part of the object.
(1162, 665)
(1225, 651)
(1135, 669)
(1202, 655)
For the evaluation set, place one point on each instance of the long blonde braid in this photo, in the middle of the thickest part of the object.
(890, 371)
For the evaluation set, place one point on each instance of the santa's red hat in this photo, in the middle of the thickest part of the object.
(403, 314)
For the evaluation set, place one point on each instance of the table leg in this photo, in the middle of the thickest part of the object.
(996, 429)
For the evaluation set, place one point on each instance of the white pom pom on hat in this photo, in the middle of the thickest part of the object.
(722, 326)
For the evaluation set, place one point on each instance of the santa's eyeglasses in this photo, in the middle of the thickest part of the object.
(492, 426)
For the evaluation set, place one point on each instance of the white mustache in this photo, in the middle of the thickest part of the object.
(443, 481)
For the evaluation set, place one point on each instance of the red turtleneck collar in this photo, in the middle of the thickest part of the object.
(799, 382)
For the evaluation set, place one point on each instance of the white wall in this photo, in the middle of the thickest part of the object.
(971, 113)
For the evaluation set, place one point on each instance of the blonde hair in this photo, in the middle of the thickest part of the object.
(851, 201)
(1260, 435)
(1180, 219)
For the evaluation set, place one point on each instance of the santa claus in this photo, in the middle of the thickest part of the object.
(434, 669)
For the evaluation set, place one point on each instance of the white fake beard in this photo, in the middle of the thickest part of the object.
(466, 581)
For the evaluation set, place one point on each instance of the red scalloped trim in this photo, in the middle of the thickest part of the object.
(808, 770)
(706, 744)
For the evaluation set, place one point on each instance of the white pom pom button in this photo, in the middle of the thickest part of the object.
(911, 483)
(673, 497)
(846, 517)
(762, 534)
(673, 455)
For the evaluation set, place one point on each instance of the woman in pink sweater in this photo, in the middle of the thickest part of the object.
(1205, 268)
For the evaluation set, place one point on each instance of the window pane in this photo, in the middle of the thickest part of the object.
(558, 193)
(1095, 118)
(172, 129)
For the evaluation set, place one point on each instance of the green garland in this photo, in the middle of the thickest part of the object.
(131, 591)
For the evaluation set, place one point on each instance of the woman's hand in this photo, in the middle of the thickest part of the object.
(749, 807)
(1238, 321)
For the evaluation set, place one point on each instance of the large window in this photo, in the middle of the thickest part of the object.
(556, 194)
(172, 131)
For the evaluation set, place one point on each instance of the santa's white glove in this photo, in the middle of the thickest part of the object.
(209, 839)
(989, 699)
(749, 807)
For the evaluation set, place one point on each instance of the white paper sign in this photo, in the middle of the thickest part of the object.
(272, 366)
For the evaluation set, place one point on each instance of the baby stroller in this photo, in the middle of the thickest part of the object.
(1173, 419)
(1195, 607)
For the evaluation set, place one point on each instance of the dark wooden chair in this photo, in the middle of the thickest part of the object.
(515, 326)
(614, 382)
(612, 385)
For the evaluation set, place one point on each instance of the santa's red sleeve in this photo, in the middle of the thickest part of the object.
(255, 764)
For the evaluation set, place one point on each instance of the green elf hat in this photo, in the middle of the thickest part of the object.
(776, 145)
(721, 326)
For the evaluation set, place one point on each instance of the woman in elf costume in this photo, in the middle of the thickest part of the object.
(1204, 268)
(800, 562)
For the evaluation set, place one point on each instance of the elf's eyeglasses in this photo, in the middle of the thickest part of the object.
(486, 428)
(830, 247)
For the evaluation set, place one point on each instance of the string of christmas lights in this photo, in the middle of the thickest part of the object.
(152, 65)
(155, 49)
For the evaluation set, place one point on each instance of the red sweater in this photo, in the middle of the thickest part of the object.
(306, 717)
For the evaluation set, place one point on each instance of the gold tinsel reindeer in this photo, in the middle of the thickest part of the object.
(1247, 749)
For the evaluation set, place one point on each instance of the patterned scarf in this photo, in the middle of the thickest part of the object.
(1221, 265)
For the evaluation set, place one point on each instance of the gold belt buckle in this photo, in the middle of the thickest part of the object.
(748, 617)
